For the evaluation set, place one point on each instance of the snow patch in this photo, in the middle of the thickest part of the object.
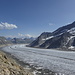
(52, 36)
(71, 47)
(58, 34)
(48, 38)
(69, 38)
(34, 72)
(71, 31)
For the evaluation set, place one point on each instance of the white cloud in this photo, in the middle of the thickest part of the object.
(50, 24)
(28, 35)
(21, 35)
(7, 26)
(11, 36)
(24, 35)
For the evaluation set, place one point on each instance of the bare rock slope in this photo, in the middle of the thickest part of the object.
(8, 66)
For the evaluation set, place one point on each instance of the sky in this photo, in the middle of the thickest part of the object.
(26, 18)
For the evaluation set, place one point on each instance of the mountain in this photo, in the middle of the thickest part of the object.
(4, 41)
(40, 40)
(21, 40)
(62, 38)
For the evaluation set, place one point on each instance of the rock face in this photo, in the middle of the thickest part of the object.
(62, 38)
(40, 40)
(8, 66)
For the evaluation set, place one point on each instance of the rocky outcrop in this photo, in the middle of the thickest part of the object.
(8, 66)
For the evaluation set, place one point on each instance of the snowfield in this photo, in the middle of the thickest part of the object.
(62, 62)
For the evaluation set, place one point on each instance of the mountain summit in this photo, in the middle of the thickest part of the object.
(62, 38)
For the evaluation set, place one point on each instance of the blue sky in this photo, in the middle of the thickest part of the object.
(32, 17)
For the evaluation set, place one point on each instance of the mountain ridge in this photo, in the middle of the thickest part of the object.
(62, 38)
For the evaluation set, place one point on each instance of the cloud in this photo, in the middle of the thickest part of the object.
(24, 35)
(10, 36)
(7, 26)
(21, 35)
(50, 24)
(28, 35)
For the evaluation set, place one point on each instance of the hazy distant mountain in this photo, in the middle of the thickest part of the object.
(63, 37)
(4, 41)
(21, 40)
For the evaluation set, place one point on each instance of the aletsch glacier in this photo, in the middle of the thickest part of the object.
(62, 62)
(58, 61)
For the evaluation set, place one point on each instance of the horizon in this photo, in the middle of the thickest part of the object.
(30, 18)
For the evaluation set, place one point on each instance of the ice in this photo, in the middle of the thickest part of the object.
(58, 61)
